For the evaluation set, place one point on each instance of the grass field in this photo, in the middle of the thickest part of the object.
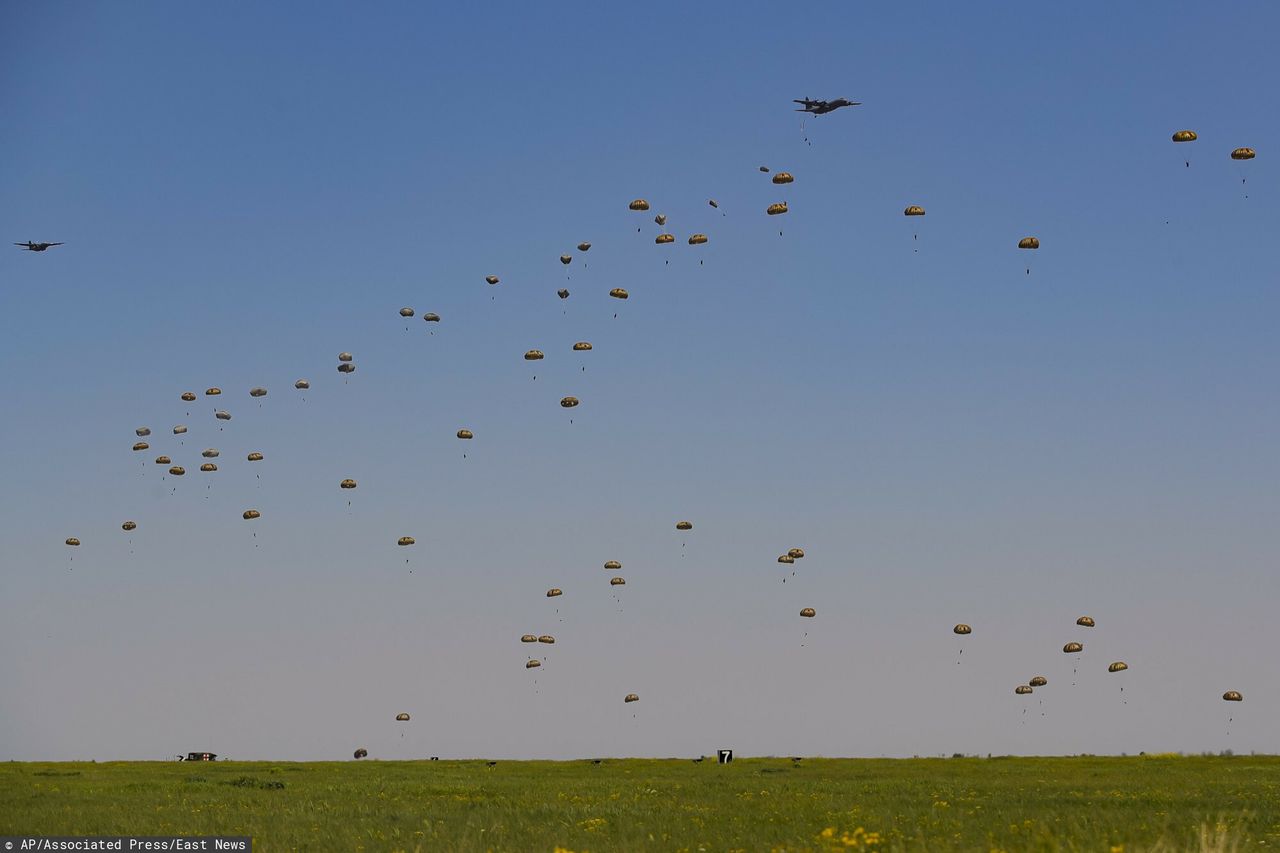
(1108, 804)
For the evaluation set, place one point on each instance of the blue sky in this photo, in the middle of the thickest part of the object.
(244, 192)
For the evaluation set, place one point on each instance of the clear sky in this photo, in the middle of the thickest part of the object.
(245, 190)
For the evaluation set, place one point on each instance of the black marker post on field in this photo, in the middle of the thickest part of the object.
(725, 755)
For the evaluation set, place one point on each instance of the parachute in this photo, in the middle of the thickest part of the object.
(1038, 681)
(222, 416)
(346, 367)
(75, 543)
(529, 638)
(776, 208)
(361, 753)
(1185, 136)
(697, 239)
(210, 453)
(786, 558)
(257, 392)
(1029, 243)
(764, 168)
(684, 525)
(533, 664)
(713, 203)
(344, 356)
(631, 697)
(796, 553)
(553, 592)
(1085, 621)
(255, 456)
(547, 638)
(569, 402)
(405, 540)
(618, 293)
(347, 484)
(639, 204)
(663, 239)
(129, 525)
(783, 178)
(1118, 666)
(808, 612)
(251, 514)
(1023, 689)
(581, 346)
(208, 467)
(661, 219)
(188, 396)
(465, 433)
(179, 429)
(212, 392)
(143, 432)
(177, 470)
(533, 355)
(1073, 648)
(402, 718)
(962, 629)
(431, 317)
(302, 385)
(612, 565)
(562, 293)
(1229, 696)
(406, 312)
(163, 460)
(913, 210)
(566, 259)
(141, 445)
(584, 246)
(492, 279)
(1243, 154)
(616, 581)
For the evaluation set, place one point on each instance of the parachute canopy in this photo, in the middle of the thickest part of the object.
(1243, 154)
(554, 591)
(786, 558)
(581, 346)
(612, 565)
(210, 453)
(208, 466)
(1029, 243)
(566, 259)
(1085, 621)
(405, 540)
(179, 429)
(129, 525)
(492, 279)
(431, 317)
(615, 581)
(177, 470)
(406, 312)
(661, 219)
(713, 203)
(212, 392)
(344, 356)
(569, 402)
(257, 392)
(1229, 696)
(251, 514)
(639, 204)
(402, 718)
(1118, 666)
(143, 432)
(1038, 681)
(796, 553)
(776, 208)
(913, 210)
(141, 445)
(618, 293)
(783, 178)
(962, 629)
(533, 355)
(222, 416)
(361, 753)
(75, 543)
(631, 697)
(302, 385)
(163, 460)
(562, 293)
(697, 239)
(188, 396)
(808, 612)
(533, 664)
(663, 239)
(684, 525)
(465, 433)
(1023, 689)
(529, 638)
(1073, 648)
(255, 456)
(1185, 136)
(547, 638)
(347, 484)
(346, 367)
(584, 246)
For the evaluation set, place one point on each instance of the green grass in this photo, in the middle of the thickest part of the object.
(1135, 804)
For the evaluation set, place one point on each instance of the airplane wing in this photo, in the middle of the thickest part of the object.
(57, 244)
